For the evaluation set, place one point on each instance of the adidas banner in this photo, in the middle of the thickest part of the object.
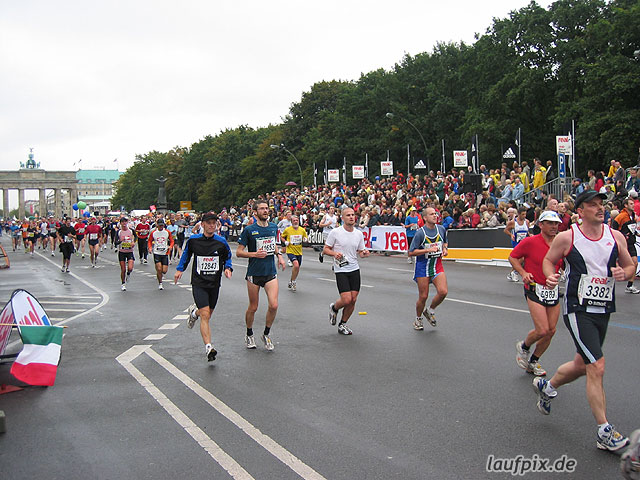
(511, 153)
(420, 165)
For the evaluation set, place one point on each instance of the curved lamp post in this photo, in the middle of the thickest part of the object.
(391, 115)
(282, 147)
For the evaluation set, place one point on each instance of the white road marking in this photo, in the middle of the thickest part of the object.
(333, 281)
(260, 438)
(488, 306)
(169, 326)
(155, 336)
(66, 302)
(400, 270)
(181, 317)
(220, 456)
(52, 309)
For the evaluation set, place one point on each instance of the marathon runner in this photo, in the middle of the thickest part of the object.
(80, 228)
(44, 234)
(293, 237)
(596, 257)
(257, 242)
(544, 303)
(344, 244)
(517, 229)
(32, 236)
(411, 226)
(142, 232)
(625, 222)
(15, 235)
(212, 255)
(125, 241)
(94, 234)
(66, 233)
(160, 244)
(53, 235)
(429, 245)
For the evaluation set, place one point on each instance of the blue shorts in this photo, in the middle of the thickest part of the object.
(293, 258)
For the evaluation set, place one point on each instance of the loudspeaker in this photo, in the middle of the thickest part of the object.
(472, 183)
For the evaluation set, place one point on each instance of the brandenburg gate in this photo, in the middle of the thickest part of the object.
(33, 178)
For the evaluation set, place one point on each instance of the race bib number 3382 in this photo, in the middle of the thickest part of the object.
(597, 290)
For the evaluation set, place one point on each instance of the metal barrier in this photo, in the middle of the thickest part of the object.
(556, 187)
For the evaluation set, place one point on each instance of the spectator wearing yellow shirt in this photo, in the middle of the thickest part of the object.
(540, 173)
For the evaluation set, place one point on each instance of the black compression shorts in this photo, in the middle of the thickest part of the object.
(348, 281)
(588, 331)
(205, 297)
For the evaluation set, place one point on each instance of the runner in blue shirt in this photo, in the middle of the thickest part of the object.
(258, 243)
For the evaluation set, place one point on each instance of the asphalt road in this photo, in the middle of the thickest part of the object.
(136, 398)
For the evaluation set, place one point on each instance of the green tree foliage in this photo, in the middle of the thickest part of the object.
(537, 69)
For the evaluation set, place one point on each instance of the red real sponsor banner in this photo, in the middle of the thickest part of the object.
(386, 239)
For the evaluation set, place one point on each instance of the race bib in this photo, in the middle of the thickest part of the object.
(295, 239)
(437, 253)
(93, 236)
(30, 234)
(224, 228)
(161, 245)
(126, 245)
(268, 244)
(520, 236)
(547, 294)
(68, 239)
(595, 290)
(208, 265)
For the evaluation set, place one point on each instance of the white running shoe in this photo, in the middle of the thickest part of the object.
(418, 324)
(250, 341)
(536, 369)
(289, 285)
(210, 352)
(293, 286)
(160, 287)
(333, 315)
(344, 330)
(193, 316)
(268, 344)
(632, 289)
(630, 459)
(431, 317)
(611, 439)
(123, 287)
(289, 263)
(522, 356)
(53, 254)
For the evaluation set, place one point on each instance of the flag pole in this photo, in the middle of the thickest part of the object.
(408, 160)
(444, 165)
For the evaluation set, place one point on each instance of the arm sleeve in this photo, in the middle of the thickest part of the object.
(186, 256)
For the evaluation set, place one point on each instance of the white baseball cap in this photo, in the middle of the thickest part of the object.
(549, 216)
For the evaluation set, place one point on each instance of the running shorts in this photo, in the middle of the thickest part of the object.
(348, 281)
(124, 256)
(421, 269)
(79, 237)
(163, 259)
(67, 249)
(260, 280)
(205, 297)
(588, 331)
(530, 293)
(632, 250)
(293, 258)
(94, 242)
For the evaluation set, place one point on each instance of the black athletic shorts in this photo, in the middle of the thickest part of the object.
(632, 249)
(588, 331)
(205, 297)
(180, 240)
(94, 242)
(260, 280)
(163, 259)
(53, 234)
(67, 249)
(124, 256)
(530, 293)
(79, 237)
(348, 281)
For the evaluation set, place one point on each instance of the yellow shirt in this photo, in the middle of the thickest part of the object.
(294, 236)
(525, 181)
(539, 177)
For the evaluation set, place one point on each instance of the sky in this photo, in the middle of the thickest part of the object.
(85, 83)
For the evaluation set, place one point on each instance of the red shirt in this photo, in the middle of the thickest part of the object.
(533, 250)
(142, 230)
(80, 228)
(93, 229)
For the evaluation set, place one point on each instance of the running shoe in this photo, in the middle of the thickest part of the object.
(289, 286)
(632, 289)
(417, 324)
(123, 287)
(128, 277)
(320, 257)
(53, 254)
(536, 369)
(250, 341)
(67, 270)
(522, 355)
(630, 459)
(544, 400)
(611, 439)
(431, 317)
(409, 260)
(193, 316)
(160, 287)
(333, 315)
(83, 255)
(289, 263)
(62, 269)
(344, 330)
(293, 286)
(211, 352)
(268, 344)
(93, 265)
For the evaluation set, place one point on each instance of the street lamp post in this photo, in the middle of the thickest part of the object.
(282, 147)
(391, 115)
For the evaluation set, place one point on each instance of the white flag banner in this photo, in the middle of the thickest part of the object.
(386, 168)
(357, 172)
(334, 176)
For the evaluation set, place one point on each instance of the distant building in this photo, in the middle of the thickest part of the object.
(96, 187)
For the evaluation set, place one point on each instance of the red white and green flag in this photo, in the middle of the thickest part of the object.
(37, 363)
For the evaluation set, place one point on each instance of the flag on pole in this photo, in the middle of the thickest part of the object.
(315, 175)
(326, 173)
(37, 363)
(517, 141)
(474, 153)
(366, 166)
(344, 170)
